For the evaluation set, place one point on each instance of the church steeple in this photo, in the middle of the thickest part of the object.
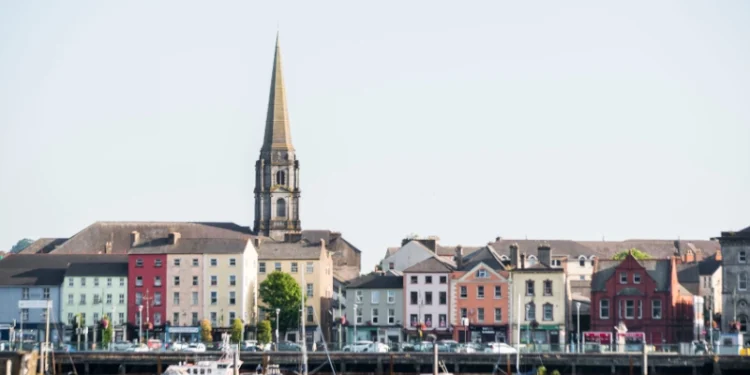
(277, 169)
(277, 136)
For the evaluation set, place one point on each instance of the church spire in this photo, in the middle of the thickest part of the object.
(277, 135)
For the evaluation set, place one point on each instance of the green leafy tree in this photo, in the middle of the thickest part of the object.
(20, 245)
(237, 330)
(264, 332)
(637, 254)
(280, 291)
(206, 331)
(541, 370)
(107, 332)
(555, 372)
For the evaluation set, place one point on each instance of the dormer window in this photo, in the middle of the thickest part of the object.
(582, 261)
(623, 277)
(482, 274)
(556, 263)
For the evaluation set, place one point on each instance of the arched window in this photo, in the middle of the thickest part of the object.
(531, 260)
(280, 178)
(582, 261)
(742, 281)
(281, 207)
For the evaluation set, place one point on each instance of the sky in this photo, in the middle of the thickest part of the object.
(575, 120)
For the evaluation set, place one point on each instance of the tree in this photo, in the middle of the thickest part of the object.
(206, 331)
(237, 330)
(264, 332)
(637, 254)
(280, 291)
(20, 245)
(107, 331)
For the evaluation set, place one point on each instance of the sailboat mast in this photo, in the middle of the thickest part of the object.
(302, 321)
(518, 350)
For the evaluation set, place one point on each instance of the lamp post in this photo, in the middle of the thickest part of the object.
(734, 302)
(528, 326)
(278, 311)
(354, 339)
(465, 323)
(140, 323)
(578, 328)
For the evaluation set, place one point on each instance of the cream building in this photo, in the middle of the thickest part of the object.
(230, 283)
(316, 262)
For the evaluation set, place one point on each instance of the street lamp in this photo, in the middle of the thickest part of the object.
(465, 323)
(140, 323)
(278, 311)
(354, 340)
(578, 328)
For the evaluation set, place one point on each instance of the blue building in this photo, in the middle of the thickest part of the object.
(34, 277)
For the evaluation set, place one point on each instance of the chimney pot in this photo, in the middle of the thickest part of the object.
(135, 238)
(459, 256)
(498, 238)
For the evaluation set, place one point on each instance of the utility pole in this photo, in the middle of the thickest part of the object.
(302, 323)
(146, 301)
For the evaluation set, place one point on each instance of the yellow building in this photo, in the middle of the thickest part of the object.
(230, 284)
(316, 262)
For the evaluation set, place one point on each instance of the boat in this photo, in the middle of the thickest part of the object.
(228, 364)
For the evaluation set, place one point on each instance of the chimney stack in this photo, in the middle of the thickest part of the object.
(515, 257)
(459, 257)
(498, 238)
(522, 262)
(256, 242)
(174, 237)
(544, 253)
(108, 247)
(135, 238)
(323, 243)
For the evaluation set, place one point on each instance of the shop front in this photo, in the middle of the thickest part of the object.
(183, 334)
(542, 334)
(482, 333)
(387, 335)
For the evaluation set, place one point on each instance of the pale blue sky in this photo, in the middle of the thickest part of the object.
(557, 119)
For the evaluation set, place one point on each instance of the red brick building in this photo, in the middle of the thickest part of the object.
(147, 278)
(643, 294)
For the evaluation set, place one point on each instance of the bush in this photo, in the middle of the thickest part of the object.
(206, 331)
(264, 332)
(555, 372)
(237, 329)
(541, 370)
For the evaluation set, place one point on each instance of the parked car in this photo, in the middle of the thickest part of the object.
(358, 346)
(288, 346)
(179, 346)
(499, 347)
(138, 348)
(195, 348)
(120, 346)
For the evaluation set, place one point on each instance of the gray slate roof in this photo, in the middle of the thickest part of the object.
(272, 250)
(743, 234)
(486, 255)
(430, 265)
(192, 246)
(708, 266)
(376, 280)
(42, 269)
(657, 269)
(655, 248)
(43, 246)
(689, 277)
(571, 249)
(117, 267)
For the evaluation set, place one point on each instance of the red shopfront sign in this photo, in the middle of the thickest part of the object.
(633, 337)
(597, 338)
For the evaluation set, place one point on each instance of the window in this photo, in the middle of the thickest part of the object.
(391, 297)
(232, 262)
(623, 278)
(498, 291)
(195, 298)
(310, 314)
(214, 280)
(547, 287)
(464, 313)
(530, 311)
(556, 263)
(195, 280)
(443, 298)
(529, 287)
(176, 319)
(374, 318)
(391, 316)
(656, 309)
(294, 267)
(82, 301)
(25, 293)
(138, 318)
(176, 262)
(139, 262)
(262, 267)
(176, 281)
(391, 266)
(428, 320)
(138, 298)
(640, 309)
(83, 281)
(480, 314)
(97, 300)
(742, 256)
(121, 299)
(443, 279)
(582, 261)
(413, 320)
(70, 281)
(498, 314)
(358, 296)
(482, 274)
(358, 314)
(281, 207)
(280, 178)
(157, 263)
(157, 280)
(70, 299)
(121, 318)
(109, 282)
(83, 318)
(213, 318)
(636, 278)
(742, 281)
(96, 317)
(70, 317)
(139, 281)
(442, 320)
(109, 299)
(212, 262)
(232, 280)
(232, 298)
(214, 297)
(414, 298)
(414, 280)
(195, 262)
(194, 317)
(428, 279)
(547, 312)
(157, 299)
(463, 291)
(480, 292)
(375, 297)
(176, 298)
(277, 266)
(309, 289)
(45, 293)
(96, 281)
(629, 309)
(122, 281)
(310, 268)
